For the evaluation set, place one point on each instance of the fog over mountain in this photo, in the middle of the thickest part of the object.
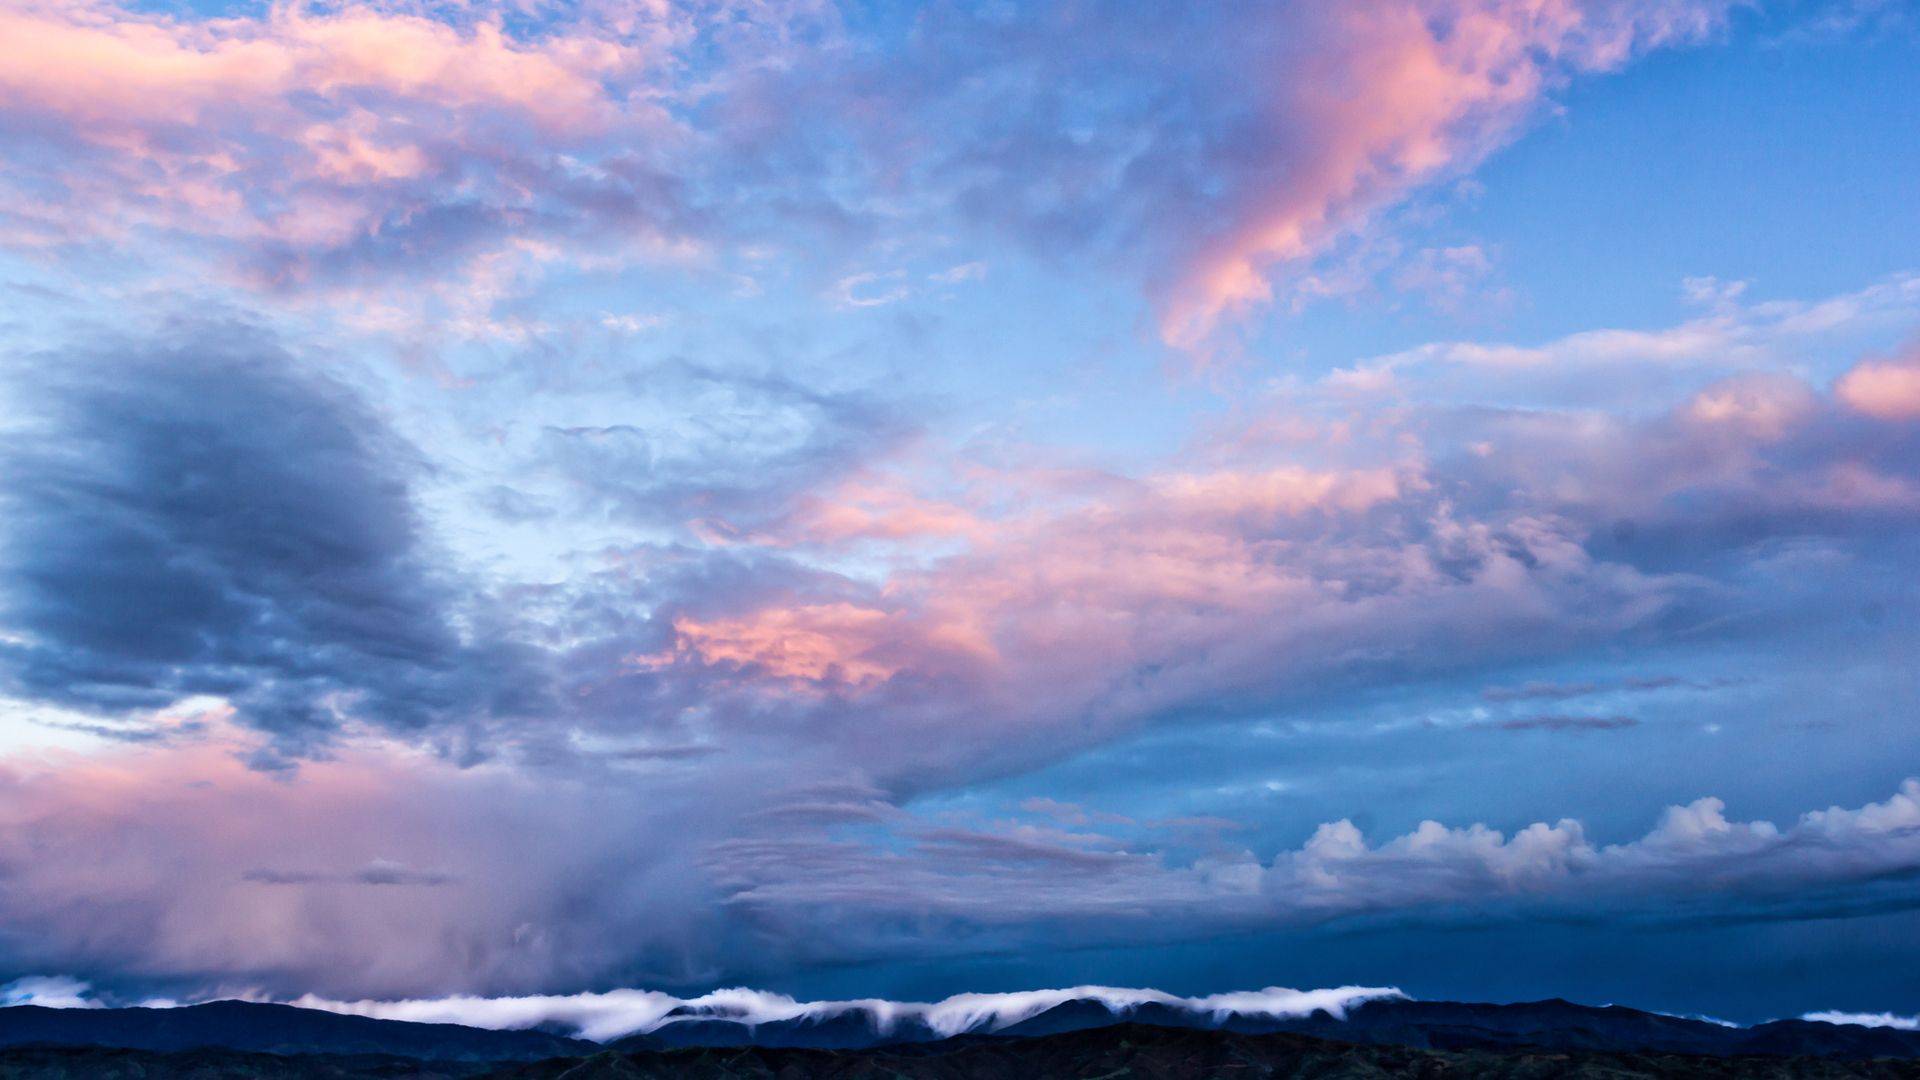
(64, 1012)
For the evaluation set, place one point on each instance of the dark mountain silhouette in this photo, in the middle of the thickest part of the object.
(1553, 1024)
(275, 1029)
(119, 1063)
(1116, 1051)
(1435, 1025)
(854, 1040)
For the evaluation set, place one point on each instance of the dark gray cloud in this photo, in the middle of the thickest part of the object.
(1539, 691)
(199, 514)
(1564, 722)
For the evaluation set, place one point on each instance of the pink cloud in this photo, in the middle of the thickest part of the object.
(1762, 406)
(383, 869)
(1061, 607)
(1395, 94)
(116, 74)
(880, 508)
(1884, 389)
(835, 643)
(324, 142)
(1040, 630)
(1269, 559)
(320, 146)
(1285, 490)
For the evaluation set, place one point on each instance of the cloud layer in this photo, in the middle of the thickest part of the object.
(346, 146)
(762, 877)
(200, 519)
(625, 1012)
(516, 499)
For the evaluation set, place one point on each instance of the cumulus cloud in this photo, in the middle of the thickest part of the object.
(1884, 389)
(1696, 863)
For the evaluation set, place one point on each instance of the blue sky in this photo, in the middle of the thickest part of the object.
(916, 498)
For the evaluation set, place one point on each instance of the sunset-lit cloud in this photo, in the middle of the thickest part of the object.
(1884, 389)
(505, 503)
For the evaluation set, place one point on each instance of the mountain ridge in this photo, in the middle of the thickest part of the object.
(265, 1027)
(1133, 1051)
(1551, 1025)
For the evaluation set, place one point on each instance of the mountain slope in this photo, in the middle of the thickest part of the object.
(275, 1029)
(1553, 1025)
(1434, 1025)
(1130, 1051)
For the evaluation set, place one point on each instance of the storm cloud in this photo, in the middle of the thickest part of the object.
(200, 515)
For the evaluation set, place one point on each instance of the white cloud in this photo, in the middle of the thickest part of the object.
(1734, 333)
(969, 271)
(625, 1012)
(1886, 1020)
(872, 289)
(1695, 862)
(48, 991)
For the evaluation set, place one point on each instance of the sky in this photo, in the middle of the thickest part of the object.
(506, 498)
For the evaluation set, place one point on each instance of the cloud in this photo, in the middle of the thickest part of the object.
(1884, 389)
(967, 271)
(1563, 691)
(1562, 722)
(788, 617)
(48, 992)
(1273, 132)
(615, 1014)
(1535, 691)
(1004, 615)
(1694, 856)
(618, 1013)
(330, 147)
(871, 289)
(734, 868)
(633, 650)
(196, 515)
(1887, 1020)
(1612, 367)
(998, 887)
(1450, 276)
(723, 452)
(327, 150)
(377, 872)
(427, 877)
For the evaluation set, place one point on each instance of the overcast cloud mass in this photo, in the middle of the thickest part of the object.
(591, 503)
